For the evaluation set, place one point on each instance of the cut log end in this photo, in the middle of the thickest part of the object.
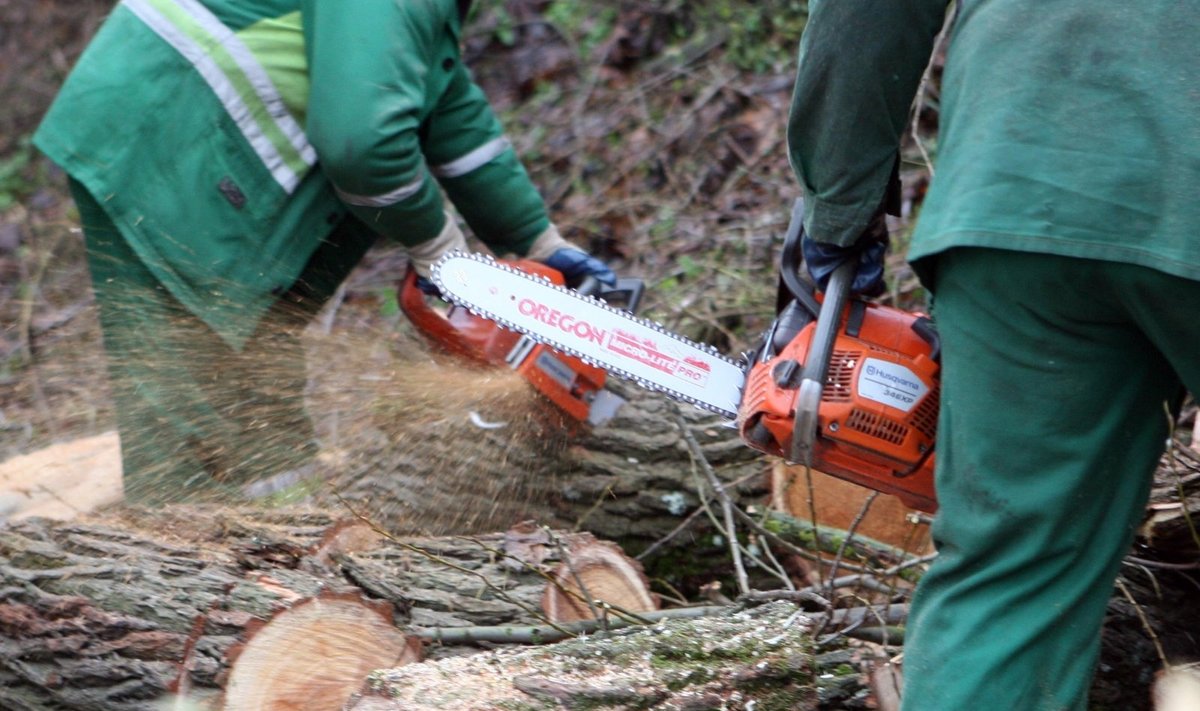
(1177, 688)
(315, 655)
(599, 571)
(837, 504)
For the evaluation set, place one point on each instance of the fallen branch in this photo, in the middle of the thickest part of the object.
(543, 634)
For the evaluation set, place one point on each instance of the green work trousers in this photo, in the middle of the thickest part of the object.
(199, 419)
(1057, 378)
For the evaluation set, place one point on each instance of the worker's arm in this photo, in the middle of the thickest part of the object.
(466, 149)
(370, 68)
(480, 172)
(859, 67)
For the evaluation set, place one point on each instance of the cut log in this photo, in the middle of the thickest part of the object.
(313, 655)
(251, 608)
(805, 494)
(878, 521)
(761, 657)
(63, 480)
(116, 614)
(595, 574)
(260, 609)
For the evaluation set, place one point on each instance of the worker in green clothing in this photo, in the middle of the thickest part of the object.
(1059, 241)
(232, 161)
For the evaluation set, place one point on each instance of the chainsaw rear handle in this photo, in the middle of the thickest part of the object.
(816, 365)
(432, 322)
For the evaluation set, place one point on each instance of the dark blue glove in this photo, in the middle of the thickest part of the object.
(428, 288)
(575, 264)
(822, 258)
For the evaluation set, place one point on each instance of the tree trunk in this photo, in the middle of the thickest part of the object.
(433, 469)
(253, 609)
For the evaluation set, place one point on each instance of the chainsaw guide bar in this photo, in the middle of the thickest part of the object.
(587, 328)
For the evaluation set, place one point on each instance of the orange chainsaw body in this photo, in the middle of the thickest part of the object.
(566, 381)
(877, 419)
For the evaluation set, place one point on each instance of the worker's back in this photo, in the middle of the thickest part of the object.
(1070, 127)
(191, 124)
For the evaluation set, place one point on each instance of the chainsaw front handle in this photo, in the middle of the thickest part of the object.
(626, 293)
(816, 365)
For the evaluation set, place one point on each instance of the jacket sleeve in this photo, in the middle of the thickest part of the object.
(480, 171)
(859, 66)
(369, 69)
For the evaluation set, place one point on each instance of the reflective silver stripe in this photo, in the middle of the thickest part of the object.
(263, 86)
(225, 92)
(384, 200)
(477, 158)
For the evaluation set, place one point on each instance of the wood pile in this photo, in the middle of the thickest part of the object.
(281, 609)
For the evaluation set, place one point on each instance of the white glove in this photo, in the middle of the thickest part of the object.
(422, 256)
(546, 244)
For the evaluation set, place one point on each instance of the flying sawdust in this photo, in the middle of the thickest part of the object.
(431, 444)
(422, 442)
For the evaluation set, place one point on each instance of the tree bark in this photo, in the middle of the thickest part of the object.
(261, 609)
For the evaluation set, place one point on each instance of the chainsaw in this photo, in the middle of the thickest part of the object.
(576, 387)
(843, 385)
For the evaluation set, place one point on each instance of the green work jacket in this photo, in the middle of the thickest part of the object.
(226, 138)
(1069, 127)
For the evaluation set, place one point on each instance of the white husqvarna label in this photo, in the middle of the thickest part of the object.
(890, 384)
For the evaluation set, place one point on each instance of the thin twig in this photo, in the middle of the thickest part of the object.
(758, 597)
(1162, 655)
(1194, 565)
(688, 521)
(770, 555)
(858, 518)
(849, 580)
(785, 544)
(812, 513)
(594, 507)
(674, 532)
(869, 610)
(1171, 454)
(583, 590)
(554, 633)
(735, 550)
(330, 311)
(920, 99)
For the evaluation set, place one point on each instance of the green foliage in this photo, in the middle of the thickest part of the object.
(763, 35)
(588, 24)
(389, 305)
(13, 181)
(505, 30)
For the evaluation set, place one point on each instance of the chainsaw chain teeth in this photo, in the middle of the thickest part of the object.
(619, 372)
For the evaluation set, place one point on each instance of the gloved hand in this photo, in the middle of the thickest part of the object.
(572, 262)
(427, 287)
(823, 258)
(422, 256)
